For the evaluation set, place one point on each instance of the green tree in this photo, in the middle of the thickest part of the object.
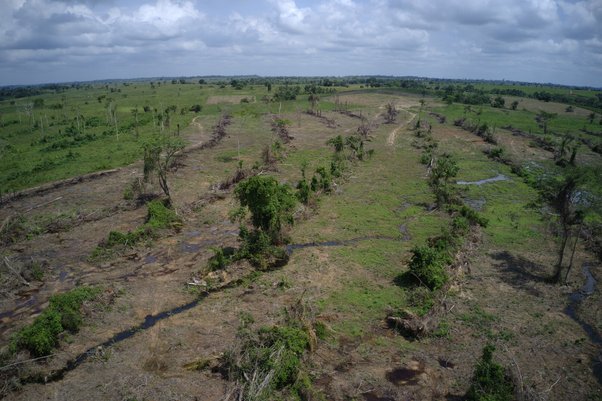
(337, 143)
(271, 204)
(514, 105)
(444, 170)
(498, 102)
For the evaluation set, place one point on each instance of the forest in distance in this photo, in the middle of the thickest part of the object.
(300, 238)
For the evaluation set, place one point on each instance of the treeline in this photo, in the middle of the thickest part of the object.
(16, 92)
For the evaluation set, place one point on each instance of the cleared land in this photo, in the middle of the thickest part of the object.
(382, 206)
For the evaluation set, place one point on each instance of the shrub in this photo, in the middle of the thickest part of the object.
(428, 266)
(460, 226)
(496, 153)
(63, 313)
(473, 216)
(303, 191)
(321, 181)
(266, 360)
(220, 259)
(489, 381)
(160, 216)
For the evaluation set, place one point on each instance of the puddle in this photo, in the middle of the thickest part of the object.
(403, 376)
(571, 310)
(193, 234)
(499, 177)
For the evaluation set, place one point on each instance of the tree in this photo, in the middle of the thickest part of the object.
(134, 112)
(391, 112)
(567, 144)
(543, 118)
(591, 117)
(159, 154)
(498, 102)
(514, 105)
(445, 168)
(337, 143)
(271, 204)
(567, 195)
(313, 100)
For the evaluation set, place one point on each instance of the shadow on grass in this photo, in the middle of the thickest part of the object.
(521, 272)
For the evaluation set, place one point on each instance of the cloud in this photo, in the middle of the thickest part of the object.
(463, 38)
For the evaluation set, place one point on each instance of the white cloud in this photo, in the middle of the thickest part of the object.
(413, 37)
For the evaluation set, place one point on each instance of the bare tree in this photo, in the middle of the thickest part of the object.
(390, 113)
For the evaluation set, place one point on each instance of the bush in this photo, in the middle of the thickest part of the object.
(303, 192)
(257, 248)
(220, 259)
(160, 216)
(267, 360)
(496, 153)
(460, 226)
(473, 217)
(63, 313)
(489, 381)
(428, 266)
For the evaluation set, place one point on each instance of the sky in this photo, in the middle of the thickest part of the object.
(557, 41)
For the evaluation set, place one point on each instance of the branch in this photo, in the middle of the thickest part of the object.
(15, 272)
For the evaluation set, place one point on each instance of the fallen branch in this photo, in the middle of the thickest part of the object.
(6, 262)
(43, 204)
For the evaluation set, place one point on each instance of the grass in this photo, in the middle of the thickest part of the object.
(62, 314)
(362, 303)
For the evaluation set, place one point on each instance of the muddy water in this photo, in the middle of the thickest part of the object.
(571, 310)
(499, 177)
(403, 376)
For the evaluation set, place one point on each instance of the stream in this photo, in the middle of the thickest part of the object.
(571, 310)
